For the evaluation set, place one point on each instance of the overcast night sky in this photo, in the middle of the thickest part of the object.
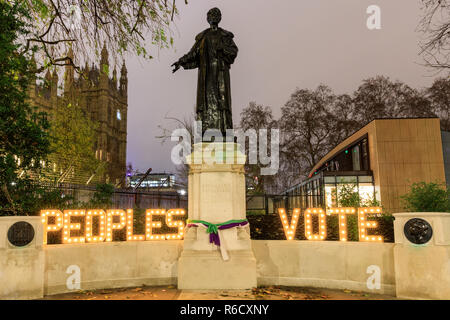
(282, 45)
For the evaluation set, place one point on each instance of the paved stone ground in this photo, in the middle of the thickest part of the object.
(264, 293)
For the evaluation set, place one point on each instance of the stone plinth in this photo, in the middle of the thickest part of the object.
(422, 271)
(217, 195)
(21, 268)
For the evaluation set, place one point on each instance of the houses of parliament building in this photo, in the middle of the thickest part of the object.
(105, 101)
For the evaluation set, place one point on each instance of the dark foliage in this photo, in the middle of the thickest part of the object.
(269, 227)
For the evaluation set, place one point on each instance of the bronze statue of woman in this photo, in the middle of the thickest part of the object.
(213, 53)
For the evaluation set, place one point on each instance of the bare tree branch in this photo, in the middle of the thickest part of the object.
(85, 25)
(435, 27)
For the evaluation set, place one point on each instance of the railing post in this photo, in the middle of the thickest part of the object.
(266, 204)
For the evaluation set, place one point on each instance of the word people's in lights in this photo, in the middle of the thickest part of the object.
(56, 221)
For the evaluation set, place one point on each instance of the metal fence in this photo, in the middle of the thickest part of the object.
(269, 204)
(145, 199)
(128, 198)
(166, 200)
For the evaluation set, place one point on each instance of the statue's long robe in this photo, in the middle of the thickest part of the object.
(213, 53)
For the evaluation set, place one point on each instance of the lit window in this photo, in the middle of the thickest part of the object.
(119, 115)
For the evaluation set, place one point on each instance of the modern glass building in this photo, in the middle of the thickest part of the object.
(380, 161)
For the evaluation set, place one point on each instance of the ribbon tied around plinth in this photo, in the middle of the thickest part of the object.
(214, 231)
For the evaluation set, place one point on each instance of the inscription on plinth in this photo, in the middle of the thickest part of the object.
(217, 195)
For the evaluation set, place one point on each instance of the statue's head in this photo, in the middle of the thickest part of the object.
(214, 16)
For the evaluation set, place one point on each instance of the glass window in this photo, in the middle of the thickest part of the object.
(330, 196)
(330, 180)
(347, 192)
(365, 178)
(346, 179)
(365, 155)
(366, 193)
(356, 159)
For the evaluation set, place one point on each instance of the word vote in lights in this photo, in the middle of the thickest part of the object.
(62, 221)
(363, 223)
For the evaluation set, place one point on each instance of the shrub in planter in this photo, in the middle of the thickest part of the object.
(427, 197)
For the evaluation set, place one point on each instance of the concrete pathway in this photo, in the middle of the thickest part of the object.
(265, 293)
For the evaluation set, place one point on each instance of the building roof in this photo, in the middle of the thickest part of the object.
(352, 138)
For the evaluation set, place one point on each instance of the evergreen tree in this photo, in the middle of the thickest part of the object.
(24, 142)
(73, 138)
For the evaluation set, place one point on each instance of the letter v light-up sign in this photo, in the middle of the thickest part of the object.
(289, 229)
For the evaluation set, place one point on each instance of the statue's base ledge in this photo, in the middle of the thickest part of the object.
(234, 239)
(199, 245)
(206, 270)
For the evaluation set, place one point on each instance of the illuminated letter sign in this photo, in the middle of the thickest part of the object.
(363, 224)
(90, 237)
(107, 225)
(150, 224)
(342, 220)
(289, 229)
(69, 226)
(111, 226)
(175, 224)
(57, 214)
(309, 226)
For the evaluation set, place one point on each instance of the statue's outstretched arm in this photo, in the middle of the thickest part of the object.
(191, 59)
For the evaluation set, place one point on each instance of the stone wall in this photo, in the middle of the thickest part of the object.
(21, 268)
(422, 271)
(112, 265)
(327, 264)
(324, 264)
(405, 269)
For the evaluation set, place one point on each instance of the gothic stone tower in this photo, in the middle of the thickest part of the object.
(105, 99)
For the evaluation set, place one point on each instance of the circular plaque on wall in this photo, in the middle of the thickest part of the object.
(20, 234)
(418, 231)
